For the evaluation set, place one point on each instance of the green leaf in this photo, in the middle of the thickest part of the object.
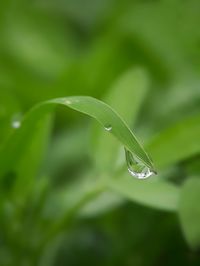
(110, 120)
(157, 194)
(100, 111)
(9, 110)
(13, 150)
(68, 148)
(126, 97)
(189, 211)
(29, 165)
(104, 202)
(176, 143)
(128, 93)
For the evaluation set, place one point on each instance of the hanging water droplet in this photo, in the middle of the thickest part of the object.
(16, 124)
(137, 168)
(108, 127)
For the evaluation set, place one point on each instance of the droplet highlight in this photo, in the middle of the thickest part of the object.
(136, 167)
(16, 124)
(108, 127)
(68, 102)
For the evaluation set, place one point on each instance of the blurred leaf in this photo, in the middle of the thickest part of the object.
(9, 110)
(28, 166)
(126, 97)
(67, 148)
(172, 40)
(108, 57)
(157, 194)
(176, 143)
(13, 150)
(103, 203)
(189, 211)
(128, 92)
(39, 42)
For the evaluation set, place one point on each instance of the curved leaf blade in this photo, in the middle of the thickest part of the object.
(104, 114)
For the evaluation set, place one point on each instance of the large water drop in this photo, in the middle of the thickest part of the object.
(136, 167)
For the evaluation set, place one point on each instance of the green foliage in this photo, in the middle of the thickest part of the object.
(189, 212)
(157, 194)
(183, 137)
(66, 197)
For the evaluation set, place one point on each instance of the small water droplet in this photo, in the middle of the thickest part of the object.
(108, 127)
(16, 120)
(16, 124)
(68, 102)
(137, 168)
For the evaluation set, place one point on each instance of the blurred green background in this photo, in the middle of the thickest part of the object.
(143, 58)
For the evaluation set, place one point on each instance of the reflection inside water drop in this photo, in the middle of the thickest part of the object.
(108, 127)
(137, 168)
